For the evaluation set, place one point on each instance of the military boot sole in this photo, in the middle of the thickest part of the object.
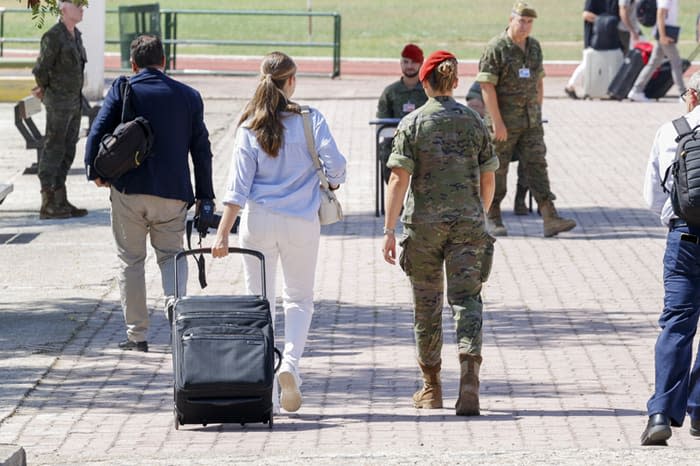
(78, 212)
(561, 227)
(427, 404)
(467, 405)
(432, 401)
(521, 210)
(54, 216)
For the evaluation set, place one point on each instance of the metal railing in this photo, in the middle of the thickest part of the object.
(169, 21)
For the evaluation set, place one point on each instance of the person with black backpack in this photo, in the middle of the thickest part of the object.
(676, 150)
(666, 33)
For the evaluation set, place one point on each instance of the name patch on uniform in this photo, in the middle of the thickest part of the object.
(408, 107)
(524, 72)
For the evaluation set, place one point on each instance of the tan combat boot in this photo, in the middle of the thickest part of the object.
(494, 222)
(430, 396)
(51, 209)
(62, 199)
(519, 207)
(553, 223)
(468, 401)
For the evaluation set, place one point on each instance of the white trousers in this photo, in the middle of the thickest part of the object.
(577, 75)
(294, 243)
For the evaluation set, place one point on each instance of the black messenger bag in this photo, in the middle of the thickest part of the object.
(127, 146)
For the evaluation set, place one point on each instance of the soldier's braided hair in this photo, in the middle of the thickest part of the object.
(262, 113)
(443, 77)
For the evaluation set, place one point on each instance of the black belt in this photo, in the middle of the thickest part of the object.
(678, 222)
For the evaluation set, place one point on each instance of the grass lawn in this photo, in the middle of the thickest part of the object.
(370, 28)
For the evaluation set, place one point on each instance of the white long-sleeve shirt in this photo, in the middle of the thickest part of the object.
(286, 184)
(662, 154)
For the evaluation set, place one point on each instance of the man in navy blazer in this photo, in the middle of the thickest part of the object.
(153, 199)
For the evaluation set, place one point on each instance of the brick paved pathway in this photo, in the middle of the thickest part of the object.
(570, 322)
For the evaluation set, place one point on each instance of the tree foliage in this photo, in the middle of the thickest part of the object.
(42, 8)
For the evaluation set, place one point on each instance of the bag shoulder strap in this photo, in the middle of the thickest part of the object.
(127, 109)
(311, 145)
(682, 127)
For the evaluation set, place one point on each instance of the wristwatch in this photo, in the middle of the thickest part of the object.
(388, 231)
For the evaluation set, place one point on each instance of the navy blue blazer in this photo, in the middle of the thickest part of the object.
(176, 114)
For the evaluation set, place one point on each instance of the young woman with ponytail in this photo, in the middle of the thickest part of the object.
(272, 175)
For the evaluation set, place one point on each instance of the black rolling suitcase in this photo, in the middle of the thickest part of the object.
(662, 79)
(634, 62)
(223, 355)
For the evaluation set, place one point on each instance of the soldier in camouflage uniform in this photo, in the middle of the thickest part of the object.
(511, 74)
(443, 152)
(402, 97)
(59, 77)
(476, 102)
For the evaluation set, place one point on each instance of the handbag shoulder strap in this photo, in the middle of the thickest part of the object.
(127, 110)
(311, 145)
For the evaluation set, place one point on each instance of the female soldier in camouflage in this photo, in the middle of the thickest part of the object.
(442, 151)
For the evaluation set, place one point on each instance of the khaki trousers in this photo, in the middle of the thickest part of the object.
(134, 217)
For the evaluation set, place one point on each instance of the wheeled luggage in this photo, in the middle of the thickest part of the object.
(662, 79)
(632, 65)
(601, 67)
(223, 355)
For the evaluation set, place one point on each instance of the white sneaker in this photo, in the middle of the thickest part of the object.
(290, 398)
(638, 97)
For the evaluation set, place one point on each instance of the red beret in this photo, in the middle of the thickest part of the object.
(413, 52)
(432, 62)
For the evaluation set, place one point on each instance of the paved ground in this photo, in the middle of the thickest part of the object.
(570, 322)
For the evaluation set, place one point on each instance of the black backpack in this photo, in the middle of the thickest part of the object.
(646, 12)
(605, 35)
(128, 145)
(685, 192)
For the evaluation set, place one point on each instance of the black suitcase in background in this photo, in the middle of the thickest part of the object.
(223, 355)
(623, 81)
(662, 79)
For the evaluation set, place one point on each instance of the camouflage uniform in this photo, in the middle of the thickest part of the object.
(59, 71)
(502, 64)
(445, 147)
(397, 101)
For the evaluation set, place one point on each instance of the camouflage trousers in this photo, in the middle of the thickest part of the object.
(463, 251)
(529, 146)
(62, 134)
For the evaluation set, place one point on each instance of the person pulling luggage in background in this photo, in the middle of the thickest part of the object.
(666, 33)
(272, 175)
(153, 199)
(591, 10)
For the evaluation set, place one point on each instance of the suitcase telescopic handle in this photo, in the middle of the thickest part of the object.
(250, 252)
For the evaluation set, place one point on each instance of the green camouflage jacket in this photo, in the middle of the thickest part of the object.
(397, 100)
(515, 73)
(59, 67)
(445, 146)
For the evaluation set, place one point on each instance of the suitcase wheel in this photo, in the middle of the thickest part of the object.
(270, 422)
(177, 420)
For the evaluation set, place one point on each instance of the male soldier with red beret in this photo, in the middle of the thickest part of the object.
(402, 97)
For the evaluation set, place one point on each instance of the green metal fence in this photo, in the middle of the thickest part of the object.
(168, 25)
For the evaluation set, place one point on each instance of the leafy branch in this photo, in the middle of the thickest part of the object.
(42, 8)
